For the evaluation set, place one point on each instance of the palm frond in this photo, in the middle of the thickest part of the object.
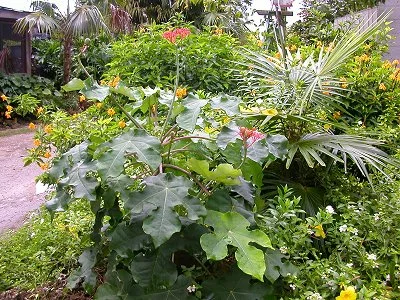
(85, 20)
(120, 20)
(36, 20)
(362, 151)
(49, 9)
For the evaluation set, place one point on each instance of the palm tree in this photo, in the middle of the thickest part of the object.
(85, 20)
(300, 87)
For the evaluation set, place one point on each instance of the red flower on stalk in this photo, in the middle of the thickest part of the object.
(172, 35)
(250, 136)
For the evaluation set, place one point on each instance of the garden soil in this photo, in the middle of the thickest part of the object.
(17, 183)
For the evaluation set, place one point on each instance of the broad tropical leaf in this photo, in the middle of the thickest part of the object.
(223, 173)
(229, 104)
(87, 261)
(187, 119)
(232, 229)
(162, 194)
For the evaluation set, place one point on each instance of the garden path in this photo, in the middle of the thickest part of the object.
(17, 183)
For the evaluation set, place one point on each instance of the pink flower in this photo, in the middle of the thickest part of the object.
(172, 35)
(250, 136)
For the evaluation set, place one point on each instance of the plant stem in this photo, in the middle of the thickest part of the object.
(245, 155)
(175, 89)
(190, 175)
(78, 58)
(137, 124)
(187, 137)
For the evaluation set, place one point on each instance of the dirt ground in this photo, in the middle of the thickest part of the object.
(17, 183)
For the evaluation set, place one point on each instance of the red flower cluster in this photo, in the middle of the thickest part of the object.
(250, 136)
(172, 35)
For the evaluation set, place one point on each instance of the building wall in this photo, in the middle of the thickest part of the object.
(372, 14)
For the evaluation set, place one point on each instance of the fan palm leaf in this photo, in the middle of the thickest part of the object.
(85, 20)
(39, 20)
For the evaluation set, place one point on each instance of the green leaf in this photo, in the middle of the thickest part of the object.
(126, 239)
(277, 145)
(132, 94)
(227, 135)
(137, 143)
(162, 194)
(87, 260)
(83, 185)
(229, 104)
(176, 292)
(75, 84)
(275, 266)
(232, 229)
(154, 270)
(187, 119)
(236, 285)
(107, 291)
(92, 90)
(60, 201)
(223, 173)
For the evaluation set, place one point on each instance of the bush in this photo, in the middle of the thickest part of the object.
(147, 59)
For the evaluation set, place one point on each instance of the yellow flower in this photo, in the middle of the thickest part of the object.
(99, 105)
(387, 64)
(114, 82)
(48, 129)
(348, 294)
(44, 166)
(74, 116)
(181, 92)
(40, 110)
(7, 114)
(82, 98)
(122, 124)
(37, 142)
(278, 55)
(111, 112)
(209, 130)
(293, 48)
(364, 58)
(330, 47)
(327, 127)
(367, 46)
(336, 115)
(31, 126)
(344, 85)
(319, 231)
(260, 43)
(9, 108)
(395, 62)
(319, 44)
(47, 154)
(4, 97)
(382, 86)
(103, 82)
(327, 93)
(218, 31)
(269, 112)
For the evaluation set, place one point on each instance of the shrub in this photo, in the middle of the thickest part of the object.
(146, 59)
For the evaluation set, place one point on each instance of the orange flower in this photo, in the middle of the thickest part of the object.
(113, 83)
(99, 105)
(40, 110)
(327, 93)
(336, 115)
(44, 166)
(387, 64)
(111, 112)
(82, 98)
(122, 124)
(278, 55)
(31, 126)
(173, 35)
(218, 31)
(181, 92)
(37, 142)
(250, 136)
(48, 129)
(382, 86)
(9, 108)
(7, 114)
(47, 154)
(4, 97)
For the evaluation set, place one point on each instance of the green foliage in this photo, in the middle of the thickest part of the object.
(147, 59)
(43, 248)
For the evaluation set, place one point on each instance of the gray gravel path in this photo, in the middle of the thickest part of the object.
(17, 183)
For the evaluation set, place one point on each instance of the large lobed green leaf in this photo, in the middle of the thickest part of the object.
(231, 228)
(162, 194)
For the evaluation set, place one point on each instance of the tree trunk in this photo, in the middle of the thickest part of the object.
(67, 58)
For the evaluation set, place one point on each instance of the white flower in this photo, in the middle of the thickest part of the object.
(259, 101)
(315, 296)
(191, 288)
(33, 234)
(371, 256)
(292, 286)
(360, 122)
(343, 228)
(329, 209)
(353, 231)
(388, 277)
(349, 265)
(376, 217)
(283, 250)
